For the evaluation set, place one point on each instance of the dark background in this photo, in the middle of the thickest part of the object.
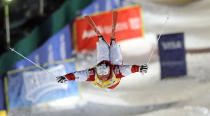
(24, 16)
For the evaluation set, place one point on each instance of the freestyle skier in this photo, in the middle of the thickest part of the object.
(109, 69)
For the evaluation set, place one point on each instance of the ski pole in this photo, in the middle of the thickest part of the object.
(161, 32)
(13, 50)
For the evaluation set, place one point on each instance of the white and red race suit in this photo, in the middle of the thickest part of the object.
(116, 73)
(110, 55)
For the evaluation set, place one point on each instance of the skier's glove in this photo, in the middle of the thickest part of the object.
(143, 68)
(61, 79)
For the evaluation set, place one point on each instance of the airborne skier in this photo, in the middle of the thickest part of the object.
(109, 69)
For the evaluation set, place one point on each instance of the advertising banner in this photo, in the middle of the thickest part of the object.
(2, 96)
(30, 87)
(172, 55)
(57, 48)
(3, 113)
(129, 25)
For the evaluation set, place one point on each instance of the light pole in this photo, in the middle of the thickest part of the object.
(6, 11)
(41, 7)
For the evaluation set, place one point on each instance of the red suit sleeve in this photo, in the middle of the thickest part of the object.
(70, 76)
(135, 68)
(83, 75)
(125, 70)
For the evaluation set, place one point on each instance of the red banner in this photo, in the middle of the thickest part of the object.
(129, 25)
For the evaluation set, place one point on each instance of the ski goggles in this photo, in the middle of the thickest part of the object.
(102, 69)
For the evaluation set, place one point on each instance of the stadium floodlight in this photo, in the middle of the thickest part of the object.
(6, 2)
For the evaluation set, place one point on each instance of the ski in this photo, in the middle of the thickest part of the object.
(114, 22)
(92, 24)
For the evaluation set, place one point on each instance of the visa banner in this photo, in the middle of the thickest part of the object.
(34, 86)
(56, 48)
(172, 55)
(129, 25)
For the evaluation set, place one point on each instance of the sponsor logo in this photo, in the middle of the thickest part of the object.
(38, 83)
(121, 26)
(63, 46)
(172, 45)
(51, 54)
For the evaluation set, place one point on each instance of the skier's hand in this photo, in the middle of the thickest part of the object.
(61, 79)
(143, 68)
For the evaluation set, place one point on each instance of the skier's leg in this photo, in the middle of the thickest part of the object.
(115, 53)
(102, 50)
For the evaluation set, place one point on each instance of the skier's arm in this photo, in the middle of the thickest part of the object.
(84, 75)
(125, 70)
